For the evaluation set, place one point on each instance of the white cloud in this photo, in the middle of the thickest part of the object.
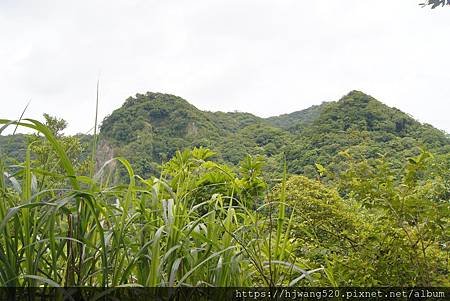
(265, 57)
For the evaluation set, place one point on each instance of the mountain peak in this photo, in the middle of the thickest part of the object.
(156, 99)
(359, 96)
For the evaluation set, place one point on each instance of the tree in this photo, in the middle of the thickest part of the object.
(435, 3)
(56, 125)
(43, 151)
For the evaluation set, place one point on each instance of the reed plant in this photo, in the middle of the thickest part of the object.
(87, 230)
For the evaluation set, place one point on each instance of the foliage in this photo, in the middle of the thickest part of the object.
(205, 199)
(148, 232)
(149, 128)
(413, 213)
(12, 148)
(43, 153)
(378, 234)
(435, 3)
(363, 127)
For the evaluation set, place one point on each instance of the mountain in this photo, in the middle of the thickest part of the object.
(13, 147)
(149, 128)
(299, 118)
(365, 128)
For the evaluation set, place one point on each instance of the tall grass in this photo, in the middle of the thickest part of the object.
(87, 232)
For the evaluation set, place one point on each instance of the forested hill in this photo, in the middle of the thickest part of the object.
(373, 209)
(149, 128)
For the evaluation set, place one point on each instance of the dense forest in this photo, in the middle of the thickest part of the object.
(150, 128)
(346, 193)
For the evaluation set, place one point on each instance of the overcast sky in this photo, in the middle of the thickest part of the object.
(263, 57)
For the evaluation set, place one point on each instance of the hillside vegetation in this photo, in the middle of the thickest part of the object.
(348, 193)
(149, 128)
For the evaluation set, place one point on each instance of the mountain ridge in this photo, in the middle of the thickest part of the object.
(166, 123)
(149, 128)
